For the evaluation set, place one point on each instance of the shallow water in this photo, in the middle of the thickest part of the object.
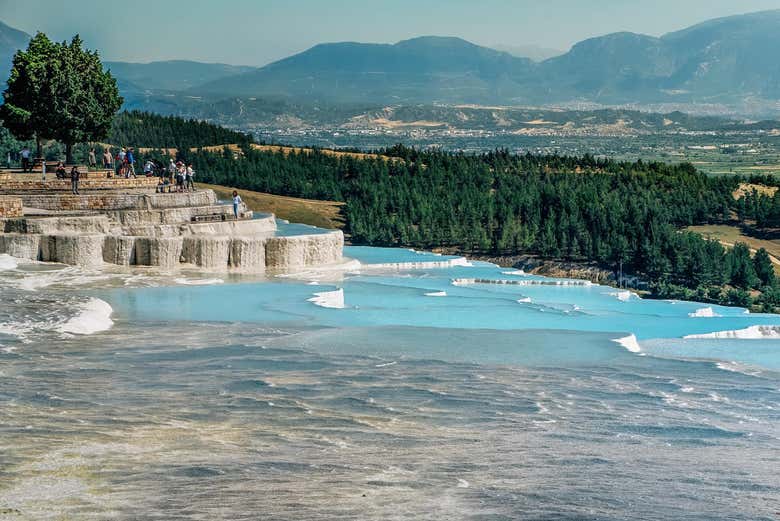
(218, 397)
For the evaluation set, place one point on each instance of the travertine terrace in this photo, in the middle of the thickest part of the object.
(124, 222)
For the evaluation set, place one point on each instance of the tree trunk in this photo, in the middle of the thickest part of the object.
(68, 153)
(38, 146)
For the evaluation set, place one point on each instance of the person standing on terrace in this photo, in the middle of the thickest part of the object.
(120, 162)
(26, 165)
(190, 178)
(107, 158)
(130, 157)
(92, 159)
(171, 171)
(236, 203)
(74, 180)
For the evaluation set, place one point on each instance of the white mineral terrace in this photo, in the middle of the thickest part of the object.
(137, 227)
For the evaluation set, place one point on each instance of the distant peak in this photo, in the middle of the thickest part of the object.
(771, 16)
(621, 36)
(435, 41)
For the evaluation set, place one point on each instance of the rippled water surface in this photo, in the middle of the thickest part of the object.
(431, 391)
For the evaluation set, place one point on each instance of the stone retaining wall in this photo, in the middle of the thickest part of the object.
(9, 184)
(117, 201)
(10, 207)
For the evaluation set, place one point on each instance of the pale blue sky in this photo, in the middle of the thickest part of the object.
(254, 32)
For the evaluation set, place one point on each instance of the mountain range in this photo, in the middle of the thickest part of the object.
(720, 61)
(10, 40)
(724, 61)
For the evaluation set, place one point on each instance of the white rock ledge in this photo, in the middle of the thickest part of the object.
(160, 230)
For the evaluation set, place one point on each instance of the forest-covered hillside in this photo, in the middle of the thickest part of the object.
(144, 129)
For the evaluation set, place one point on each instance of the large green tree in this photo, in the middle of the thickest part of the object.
(60, 91)
(29, 97)
(87, 97)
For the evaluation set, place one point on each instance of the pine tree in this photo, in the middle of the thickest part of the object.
(743, 274)
(764, 269)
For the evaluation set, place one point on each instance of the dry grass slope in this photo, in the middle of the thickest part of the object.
(324, 214)
(233, 147)
(729, 235)
(335, 153)
(747, 188)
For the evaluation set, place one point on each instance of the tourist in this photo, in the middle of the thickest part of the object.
(107, 159)
(74, 180)
(236, 202)
(60, 171)
(120, 162)
(160, 189)
(130, 158)
(180, 174)
(190, 178)
(92, 159)
(158, 169)
(26, 165)
(148, 168)
(171, 170)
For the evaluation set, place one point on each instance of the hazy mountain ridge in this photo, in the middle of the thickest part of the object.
(722, 60)
(10, 40)
(726, 62)
(133, 78)
(424, 69)
(735, 53)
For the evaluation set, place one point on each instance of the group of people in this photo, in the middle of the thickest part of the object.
(180, 178)
(177, 177)
(74, 176)
(124, 162)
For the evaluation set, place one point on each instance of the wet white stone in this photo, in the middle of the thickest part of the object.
(162, 230)
(21, 246)
(248, 254)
